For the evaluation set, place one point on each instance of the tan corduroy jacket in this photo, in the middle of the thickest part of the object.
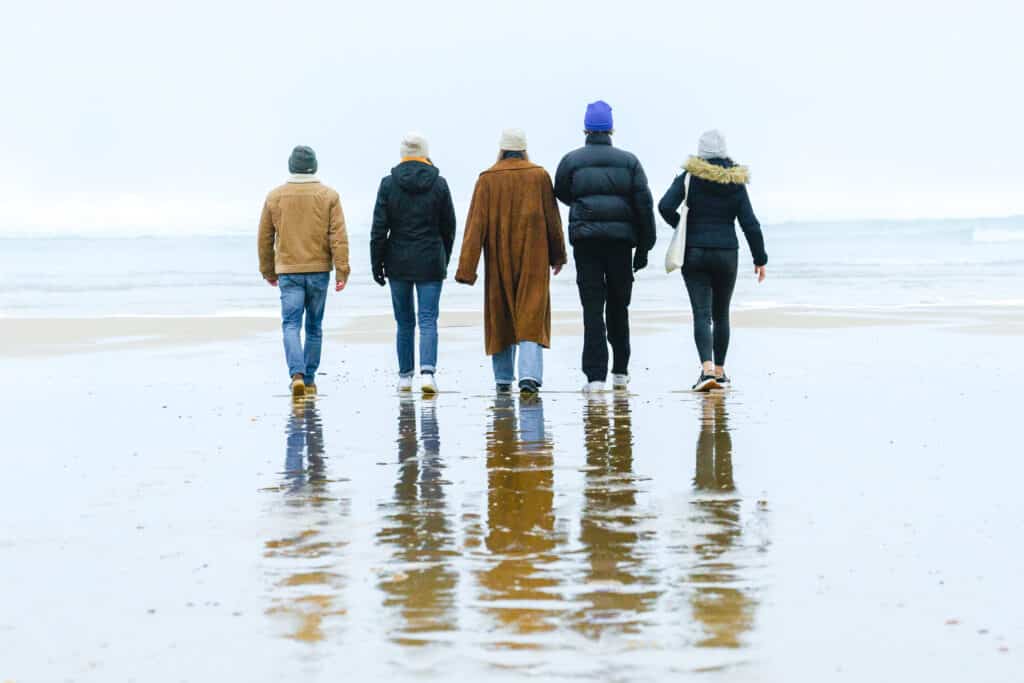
(302, 230)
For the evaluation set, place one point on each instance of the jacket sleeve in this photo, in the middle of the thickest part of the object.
(447, 221)
(553, 219)
(674, 197)
(751, 228)
(563, 181)
(379, 230)
(643, 204)
(265, 243)
(473, 235)
(337, 235)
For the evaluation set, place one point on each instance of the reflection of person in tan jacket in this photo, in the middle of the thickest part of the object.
(301, 236)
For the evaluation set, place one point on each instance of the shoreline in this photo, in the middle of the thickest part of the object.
(33, 337)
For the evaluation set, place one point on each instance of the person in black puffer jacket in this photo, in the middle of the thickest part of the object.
(718, 197)
(410, 244)
(611, 212)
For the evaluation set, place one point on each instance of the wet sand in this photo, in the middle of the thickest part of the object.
(851, 510)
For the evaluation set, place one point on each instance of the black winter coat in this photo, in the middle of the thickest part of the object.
(718, 197)
(413, 224)
(607, 194)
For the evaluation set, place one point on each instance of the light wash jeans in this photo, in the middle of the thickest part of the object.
(531, 363)
(303, 293)
(428, 299)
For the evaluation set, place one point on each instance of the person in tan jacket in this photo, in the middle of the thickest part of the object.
(514, 220)
(301, 235)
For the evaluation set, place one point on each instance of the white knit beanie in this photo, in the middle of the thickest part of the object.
(712, 145)
(513, 140)
(414, 145)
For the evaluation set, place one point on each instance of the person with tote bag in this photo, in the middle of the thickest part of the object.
(705, 247)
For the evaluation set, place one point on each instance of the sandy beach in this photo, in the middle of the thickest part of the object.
(848, 511)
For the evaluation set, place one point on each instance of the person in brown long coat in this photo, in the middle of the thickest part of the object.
(514, 220)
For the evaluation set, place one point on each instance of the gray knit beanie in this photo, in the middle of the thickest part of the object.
(302, 160)
(712, 145)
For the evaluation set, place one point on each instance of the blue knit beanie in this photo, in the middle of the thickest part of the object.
(599, 116)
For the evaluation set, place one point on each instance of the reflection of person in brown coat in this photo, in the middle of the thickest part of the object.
(514, 220)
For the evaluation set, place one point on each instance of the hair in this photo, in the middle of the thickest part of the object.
(501, 154)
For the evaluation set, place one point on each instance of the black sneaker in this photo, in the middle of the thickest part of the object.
(724, 381)
(503, 388)
(706, 383)
(528, 386)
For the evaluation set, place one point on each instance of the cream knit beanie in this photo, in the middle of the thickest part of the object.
(712, 145)
(414, 145)
(513, 140)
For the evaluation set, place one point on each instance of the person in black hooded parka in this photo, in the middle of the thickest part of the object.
(410, 244)
(718, 198)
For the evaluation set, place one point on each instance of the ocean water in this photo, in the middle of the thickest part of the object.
(850, 265)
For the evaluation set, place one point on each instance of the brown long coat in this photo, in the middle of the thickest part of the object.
(514, 219)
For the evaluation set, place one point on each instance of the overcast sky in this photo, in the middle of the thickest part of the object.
(179, 116)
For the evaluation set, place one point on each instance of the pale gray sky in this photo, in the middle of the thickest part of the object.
(178, 117)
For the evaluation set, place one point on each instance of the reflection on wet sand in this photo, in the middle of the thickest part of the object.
(306, 587)
(419, 580)
(519, 587)
(619, 584)
(724, 610)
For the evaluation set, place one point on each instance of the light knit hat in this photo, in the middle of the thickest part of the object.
(712, 145)
(513, 140)
(414, 145)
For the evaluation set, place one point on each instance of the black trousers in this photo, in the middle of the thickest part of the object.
(710, 276)
(604, 275)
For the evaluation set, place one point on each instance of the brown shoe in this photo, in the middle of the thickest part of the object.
(298, 386)
(310, 390)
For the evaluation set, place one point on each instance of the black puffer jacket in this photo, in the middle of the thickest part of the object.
(413, 225)
(718, 197)
(607, 194)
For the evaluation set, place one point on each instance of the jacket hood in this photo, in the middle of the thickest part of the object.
(415, 176)
(722, 171)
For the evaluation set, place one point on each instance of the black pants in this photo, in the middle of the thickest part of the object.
(710, 276)
(604, 274)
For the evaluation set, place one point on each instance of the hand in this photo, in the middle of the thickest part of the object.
(340, 285)
(555, 270)
(761, 272)
(272, 283)
(639, 260)
(378, 277)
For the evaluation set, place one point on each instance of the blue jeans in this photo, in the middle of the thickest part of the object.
(303, 293)
(531, 363)
(428, 299)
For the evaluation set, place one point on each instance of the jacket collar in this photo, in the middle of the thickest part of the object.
(705, 170)
(599, 138)
(303, 178)
(511, 164)
(422, 160)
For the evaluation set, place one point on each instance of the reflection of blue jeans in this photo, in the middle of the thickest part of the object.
(531, 363)
(303, 293)
(428, 299)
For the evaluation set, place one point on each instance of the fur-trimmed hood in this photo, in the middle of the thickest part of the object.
(724, 172)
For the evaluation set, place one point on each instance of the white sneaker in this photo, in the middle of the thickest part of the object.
(620, 382)
(593, 388)
(405, 383)
(427, 384)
